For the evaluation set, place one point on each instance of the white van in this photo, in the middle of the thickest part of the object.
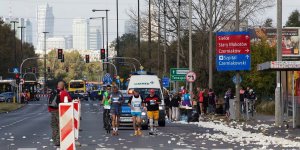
(143, 83)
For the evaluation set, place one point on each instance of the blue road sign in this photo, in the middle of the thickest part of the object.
(233, 62)
(107, 79)
(16, 70)
(165, 82)
(235, 81)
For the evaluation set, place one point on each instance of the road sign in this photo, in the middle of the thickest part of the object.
(107, 79)
(235, 81)
(16, 70)
(166, 82)
(190, 76)
(233, 51)
(22, 81)
(178, 74)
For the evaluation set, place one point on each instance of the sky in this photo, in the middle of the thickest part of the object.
(65, 10)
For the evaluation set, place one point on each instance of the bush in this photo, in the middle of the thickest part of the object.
(266, 107)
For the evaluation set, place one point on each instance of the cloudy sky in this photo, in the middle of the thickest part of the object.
(65, 10)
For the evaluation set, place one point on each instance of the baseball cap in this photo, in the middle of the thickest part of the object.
(152, 91)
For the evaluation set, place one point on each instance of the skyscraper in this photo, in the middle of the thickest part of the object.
(81, 34)
(95, 38)
(45, 23)
(28, 31)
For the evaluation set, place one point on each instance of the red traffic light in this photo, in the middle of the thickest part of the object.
(17, 76)
(87, 58)
(59, 53)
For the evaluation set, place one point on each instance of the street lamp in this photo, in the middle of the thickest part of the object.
(45, 54)
(129, 64)
(21, 27)
(106, 12)
(14, 22)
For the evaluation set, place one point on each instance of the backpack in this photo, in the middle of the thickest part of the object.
(54, 99)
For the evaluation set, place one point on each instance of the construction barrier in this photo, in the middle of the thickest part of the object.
(76, 118)
(66, 126)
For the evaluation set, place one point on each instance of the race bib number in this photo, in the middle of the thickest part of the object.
(107, 107)
(115, 99)
(136, 105)
(152, 102)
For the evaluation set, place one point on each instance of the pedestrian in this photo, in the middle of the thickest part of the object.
(205, 101)
(62, 93)
(176, 100)
(116, 100)
(135, 103)
(167, 104)
(186, 99)
(242, 102)
(211, 101)
(106, 104)
(152, 102)
(200, 100)
(227, 97)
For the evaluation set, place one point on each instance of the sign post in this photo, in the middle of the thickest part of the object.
(233, 54)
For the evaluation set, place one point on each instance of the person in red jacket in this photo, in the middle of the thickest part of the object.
(54, 112)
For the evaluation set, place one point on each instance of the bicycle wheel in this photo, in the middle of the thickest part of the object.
(108, 123)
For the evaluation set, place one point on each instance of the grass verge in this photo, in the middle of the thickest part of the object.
(7, 107)
(266, 107)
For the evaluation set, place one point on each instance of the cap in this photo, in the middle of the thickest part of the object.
(152, 91)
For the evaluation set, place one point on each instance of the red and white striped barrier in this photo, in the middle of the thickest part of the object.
(66, 126)
(42, 95)
(76, 106)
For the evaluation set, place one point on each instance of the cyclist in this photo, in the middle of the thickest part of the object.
(116, 100)
(106, 104)
(152, 102)
(135, 103)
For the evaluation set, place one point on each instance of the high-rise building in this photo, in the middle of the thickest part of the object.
(130, 28)
(81, 34)
(28, 31)
(56, 42)
(95, 38)
(45, 23)
(69, 41)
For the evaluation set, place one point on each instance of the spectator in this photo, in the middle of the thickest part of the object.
(211, 101)
(186, 99)
(205, 100)
(175, 106)
(242, 102)
(62, 93)
(168, 105)
(228, 95)
(200, 99)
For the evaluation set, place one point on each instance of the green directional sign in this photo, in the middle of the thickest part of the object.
(178, 74)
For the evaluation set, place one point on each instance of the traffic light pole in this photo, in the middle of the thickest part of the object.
(45, 54)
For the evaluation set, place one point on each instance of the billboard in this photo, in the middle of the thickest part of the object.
(290, 39)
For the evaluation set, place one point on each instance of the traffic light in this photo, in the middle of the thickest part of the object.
(33, 70)
(17, 78)
(48, 69)
(63, 58)
(102, 53)
(87, 58)
(67, 69)
(59, 53)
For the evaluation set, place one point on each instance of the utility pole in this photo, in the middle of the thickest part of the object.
(210, 58)
(45, 53)
(103, 32)
(165, 39)
(139, 32)
(178, 40)
(15, 46)
(237, 85)
(118, 42)
(158, 39)
(21, 27)
(278, 90)
(190, 43)
(149, 34)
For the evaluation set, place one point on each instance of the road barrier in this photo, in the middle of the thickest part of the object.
(66, 126)
(42, 95)
(76, 105)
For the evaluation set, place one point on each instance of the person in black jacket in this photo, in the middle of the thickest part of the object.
(176, 100)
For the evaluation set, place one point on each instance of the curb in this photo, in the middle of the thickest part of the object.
(13, 110)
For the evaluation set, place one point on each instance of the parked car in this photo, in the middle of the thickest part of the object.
(6, 97)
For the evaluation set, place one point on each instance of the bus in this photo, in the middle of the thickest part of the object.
(7, 85)
(32, 87)
(77, 86)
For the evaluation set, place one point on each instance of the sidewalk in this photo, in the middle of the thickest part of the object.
(264, 124)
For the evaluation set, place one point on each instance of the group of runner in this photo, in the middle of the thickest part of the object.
(113, 100)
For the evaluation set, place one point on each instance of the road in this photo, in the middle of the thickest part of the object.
(29, 127)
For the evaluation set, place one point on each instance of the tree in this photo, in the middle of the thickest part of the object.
(268, 22)
(293, 20)
(7, 42)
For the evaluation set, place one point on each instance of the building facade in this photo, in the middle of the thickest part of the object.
(95, 38)
(45, 23)
(81, 34)
(56, 42)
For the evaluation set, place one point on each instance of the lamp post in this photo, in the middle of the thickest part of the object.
(45, 53)
(21, 27)
(139, 32)
(14, 22)
(106, 12)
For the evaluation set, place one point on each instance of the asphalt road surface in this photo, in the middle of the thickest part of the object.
(29, 128)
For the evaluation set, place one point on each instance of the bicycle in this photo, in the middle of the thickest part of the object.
(107, 122)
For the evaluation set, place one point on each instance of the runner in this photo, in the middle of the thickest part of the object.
(106, 104)
(117, 99)
(135, 103)
(152, 102)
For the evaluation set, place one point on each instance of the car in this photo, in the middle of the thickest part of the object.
(6, 97)
(76, 95)
(84, 94)
(126, 117)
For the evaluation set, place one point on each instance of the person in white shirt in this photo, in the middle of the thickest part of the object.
(135, 103)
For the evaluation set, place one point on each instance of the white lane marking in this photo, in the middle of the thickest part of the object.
(11, 124)
(27, 149)
(141, 149)
(105, 149)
